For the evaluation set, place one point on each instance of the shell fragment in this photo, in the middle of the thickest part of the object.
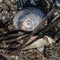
(40, 43)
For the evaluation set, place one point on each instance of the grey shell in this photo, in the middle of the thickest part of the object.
(31, 15)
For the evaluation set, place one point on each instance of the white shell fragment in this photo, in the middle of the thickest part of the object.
(50, 40)
(0, 1)
(40, 43)
(41, 49)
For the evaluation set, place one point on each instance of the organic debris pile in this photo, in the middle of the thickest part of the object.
(29, 29)
(52, 52)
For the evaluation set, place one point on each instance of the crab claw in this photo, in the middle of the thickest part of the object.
(40, 43)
